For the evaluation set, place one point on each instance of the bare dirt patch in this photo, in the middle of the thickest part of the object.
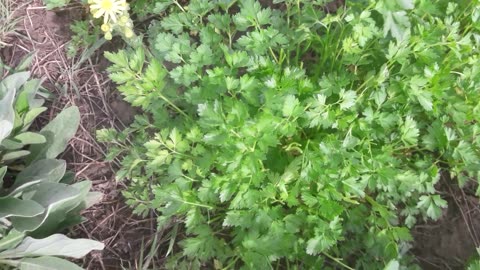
(450, 242)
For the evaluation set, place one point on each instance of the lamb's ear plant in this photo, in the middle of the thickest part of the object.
(281, 137)
(37, 196)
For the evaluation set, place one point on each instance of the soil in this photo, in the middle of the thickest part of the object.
(450, 242)
(446, 244)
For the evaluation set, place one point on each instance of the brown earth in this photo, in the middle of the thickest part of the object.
(450, 242)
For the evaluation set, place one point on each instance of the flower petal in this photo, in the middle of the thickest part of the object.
(98, 13)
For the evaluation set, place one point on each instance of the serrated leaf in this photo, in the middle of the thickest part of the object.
(425, 99)
(202, 56)
(406, 4)
(450, 134)
(464, 152)
(309, 199)
(410, 131)
(162, 5)
(289, 105)
(432, 204)
(434, 212)
(186, 74)
(121, 77)
(175, 22)
(120, 58)
(397, 24)
(155, 72)
(193, 218)
(200, 7)
(355, 186)
(347, 99)
(318, 244)
(137, 60)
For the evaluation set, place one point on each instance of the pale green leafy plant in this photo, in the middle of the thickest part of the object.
(37, 196)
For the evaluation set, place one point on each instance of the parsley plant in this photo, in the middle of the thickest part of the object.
(282, 137)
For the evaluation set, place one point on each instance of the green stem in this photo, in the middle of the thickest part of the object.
(180, 6)
(230, 264)
(189, 178)
(196, 204)
(337, 261)
(174, 106)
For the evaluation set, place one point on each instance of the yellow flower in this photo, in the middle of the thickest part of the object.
(109, 9)
(108, 35)
(124, 19)
(128, 33)
(105, 27)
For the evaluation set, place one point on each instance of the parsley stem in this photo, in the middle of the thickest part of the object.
(189, 178)
(175, 152)
(174, 106)
(337, 261)
(196, 204)
(180, 6)
(273, 55)
(231, 264)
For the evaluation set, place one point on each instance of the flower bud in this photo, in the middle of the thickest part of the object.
(105, 27)
(108, 35)
(128, 33)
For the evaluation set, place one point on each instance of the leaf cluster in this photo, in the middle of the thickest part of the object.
(37, 196)
(282, 136)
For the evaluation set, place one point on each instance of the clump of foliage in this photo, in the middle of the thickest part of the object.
(283, 137)
(83, 37)
(37, 196)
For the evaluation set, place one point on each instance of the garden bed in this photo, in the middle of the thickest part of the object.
(448, 243)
